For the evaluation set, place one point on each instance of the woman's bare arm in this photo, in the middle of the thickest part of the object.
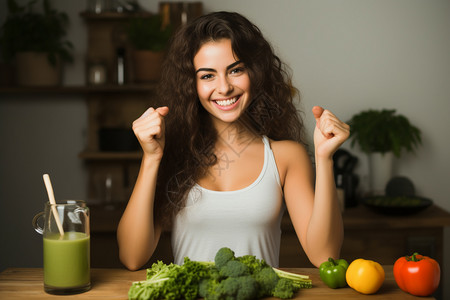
(137, 233)
(314, 209)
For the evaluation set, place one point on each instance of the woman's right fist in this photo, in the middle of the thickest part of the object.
(149, 130)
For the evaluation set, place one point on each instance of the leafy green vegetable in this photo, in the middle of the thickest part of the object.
(228, 277)
(301, 281)
(171, 281)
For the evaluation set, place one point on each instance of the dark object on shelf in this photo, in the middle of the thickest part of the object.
(120, 72)
(117, 139)
(400, 186)
(177, 14)
(402, 205)
(345, 179)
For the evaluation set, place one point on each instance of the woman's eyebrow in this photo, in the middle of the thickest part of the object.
(205, 69)
(213, 70)
(233, 65)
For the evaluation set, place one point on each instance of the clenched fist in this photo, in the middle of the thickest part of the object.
(329, 134)
(149, 130)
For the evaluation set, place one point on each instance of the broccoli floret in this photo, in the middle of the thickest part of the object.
(284, 289)
(230, 286)
(267, 280)
(223, 288)
(237, 288)
(268, 277)
(223, 255)
(234, 268)
(248, 288)
(255, 265)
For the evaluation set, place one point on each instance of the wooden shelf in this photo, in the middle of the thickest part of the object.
(99, 155)
(362, 217)
(81, 89)
(114, 15)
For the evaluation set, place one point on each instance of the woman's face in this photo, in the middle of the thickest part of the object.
(223, 84)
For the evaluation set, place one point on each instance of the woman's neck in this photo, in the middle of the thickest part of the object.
(234, 133)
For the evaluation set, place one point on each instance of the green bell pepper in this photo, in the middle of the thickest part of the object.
(332, 272)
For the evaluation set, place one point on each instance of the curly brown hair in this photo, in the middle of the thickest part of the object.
(190, 137)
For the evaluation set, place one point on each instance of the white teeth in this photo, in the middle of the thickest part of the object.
(227, 102)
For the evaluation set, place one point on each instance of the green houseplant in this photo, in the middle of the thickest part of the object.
(148, 33)
(149, 38)
(27, 31)
(382, 134)
(383, 131)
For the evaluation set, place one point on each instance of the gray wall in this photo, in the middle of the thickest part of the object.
(346, 55)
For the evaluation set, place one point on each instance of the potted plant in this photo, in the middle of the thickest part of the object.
(382, 134)
(35, 41)
(149, 38)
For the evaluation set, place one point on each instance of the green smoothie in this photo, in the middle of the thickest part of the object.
(66, 260)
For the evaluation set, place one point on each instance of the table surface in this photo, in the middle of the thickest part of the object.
(26, 283)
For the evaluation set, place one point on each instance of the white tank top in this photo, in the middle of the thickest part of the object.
(247, 220)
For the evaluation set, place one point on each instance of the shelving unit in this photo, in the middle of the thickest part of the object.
(81, 89)
(108, 106)
(112, 106)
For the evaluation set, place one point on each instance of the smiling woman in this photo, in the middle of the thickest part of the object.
(223, 84)
(224, 154)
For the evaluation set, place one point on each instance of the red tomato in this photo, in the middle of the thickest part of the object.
(417, 274)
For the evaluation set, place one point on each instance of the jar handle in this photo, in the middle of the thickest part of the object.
(85, 212)
(36, 226)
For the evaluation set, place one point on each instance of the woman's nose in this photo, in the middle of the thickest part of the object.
(224, 86)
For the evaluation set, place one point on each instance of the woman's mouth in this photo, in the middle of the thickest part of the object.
(227, 104)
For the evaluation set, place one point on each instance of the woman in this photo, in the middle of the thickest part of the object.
(224, 154)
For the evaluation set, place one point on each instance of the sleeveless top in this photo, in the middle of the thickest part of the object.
(247, 220)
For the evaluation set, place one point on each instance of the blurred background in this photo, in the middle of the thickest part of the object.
(345, 55)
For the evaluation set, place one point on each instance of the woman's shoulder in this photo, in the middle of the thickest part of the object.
(289, 155)
(288, 148)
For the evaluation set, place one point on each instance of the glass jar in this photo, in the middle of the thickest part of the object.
(96, 73)
(99, 6)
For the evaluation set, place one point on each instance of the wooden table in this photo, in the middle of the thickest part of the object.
(379, 237)
(24, 283)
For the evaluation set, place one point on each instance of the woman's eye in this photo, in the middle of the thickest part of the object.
(206, 76)
(237, 70)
